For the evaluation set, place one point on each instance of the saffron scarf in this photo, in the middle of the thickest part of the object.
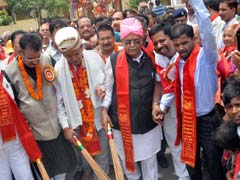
(7, 127)
(223, 71)
(16, 120)
(186, 109)
(88, 134)
(123, 102)
(212, 18)
(166, 84)
(228, 49)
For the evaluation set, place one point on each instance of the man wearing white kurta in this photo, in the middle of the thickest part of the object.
(217, 22)
(227, 11)
(70, 117)
(165, 57)
(143, 131)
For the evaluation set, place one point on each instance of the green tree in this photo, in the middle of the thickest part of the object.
(23, 5)
(56, 7)
(5, 19)
(134, 3)
(53, 7)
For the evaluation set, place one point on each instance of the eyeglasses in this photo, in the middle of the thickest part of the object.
(133, 41)
(31, 59)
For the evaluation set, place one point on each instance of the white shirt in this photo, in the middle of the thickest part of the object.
(109, 80)
(163, 61)
(229, 23)
(143, 149)
(218, 25)
(94, 66)
(52, 52)
(143, 145)
(192, 20)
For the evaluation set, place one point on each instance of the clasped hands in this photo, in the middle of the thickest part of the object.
(157, 114)
(101, 92)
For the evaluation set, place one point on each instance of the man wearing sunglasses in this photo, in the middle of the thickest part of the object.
(130, 85)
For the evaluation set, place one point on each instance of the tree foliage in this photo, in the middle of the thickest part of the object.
(53, 7)
(5, 19)
(56, 7)
(134, 3)
(24, 5)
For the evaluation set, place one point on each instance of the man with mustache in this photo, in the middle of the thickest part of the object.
(79, 74)
(106, 41)
(227, 12)
(117, 16)
(87, 32)
(32, 78)
(195, 89)
(165, 57)
(130, 87)
(44, 32)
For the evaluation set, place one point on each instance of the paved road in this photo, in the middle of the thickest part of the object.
(168, 173)
(163, 174)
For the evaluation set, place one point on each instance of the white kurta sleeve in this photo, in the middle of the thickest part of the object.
(108, 83)
(166, 101)
(62, 113)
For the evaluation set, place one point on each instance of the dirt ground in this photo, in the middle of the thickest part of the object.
(23, 24)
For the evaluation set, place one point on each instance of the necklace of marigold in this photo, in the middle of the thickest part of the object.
(39, 95)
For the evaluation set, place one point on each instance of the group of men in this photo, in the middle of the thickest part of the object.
(68, 86)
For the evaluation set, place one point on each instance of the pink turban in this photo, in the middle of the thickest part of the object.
(131, 26)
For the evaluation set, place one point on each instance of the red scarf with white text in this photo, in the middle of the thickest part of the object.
(166, 84)
(12, 120)
(186, 108)
(123, 102)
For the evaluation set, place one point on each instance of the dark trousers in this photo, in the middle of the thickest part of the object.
(206, 125)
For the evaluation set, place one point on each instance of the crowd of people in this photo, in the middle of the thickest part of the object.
(161, 77)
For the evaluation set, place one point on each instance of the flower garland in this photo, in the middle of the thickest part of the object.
(39, 95)
(81, 89)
